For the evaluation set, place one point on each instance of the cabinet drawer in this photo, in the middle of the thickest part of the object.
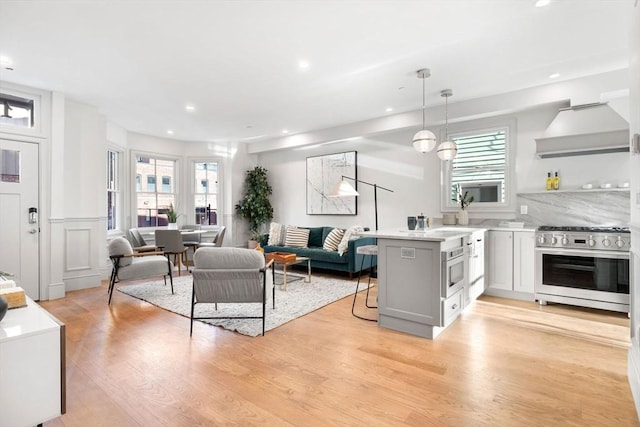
(451, 307)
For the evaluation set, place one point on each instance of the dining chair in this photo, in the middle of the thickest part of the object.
(191, 240)
(171, 243)
(138, 243)
(131, 265)
(217, 239)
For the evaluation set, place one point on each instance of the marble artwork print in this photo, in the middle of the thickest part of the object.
(323, 173)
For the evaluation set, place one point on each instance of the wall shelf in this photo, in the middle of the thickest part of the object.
(578, 190)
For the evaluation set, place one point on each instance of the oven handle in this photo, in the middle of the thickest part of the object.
(583, 252)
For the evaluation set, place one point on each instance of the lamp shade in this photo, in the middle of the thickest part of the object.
(447, 150)
(424, 141)
(343, 189)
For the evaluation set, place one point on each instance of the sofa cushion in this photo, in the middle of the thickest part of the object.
(276, 234)
(315, 236)
(333, 239)
(348, 235)
(297, 237)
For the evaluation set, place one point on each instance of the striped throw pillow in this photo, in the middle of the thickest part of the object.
(333, 240)
(297, 237)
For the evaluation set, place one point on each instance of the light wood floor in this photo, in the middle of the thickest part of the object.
(503, 363)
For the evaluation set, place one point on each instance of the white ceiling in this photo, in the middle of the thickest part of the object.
(140, 62)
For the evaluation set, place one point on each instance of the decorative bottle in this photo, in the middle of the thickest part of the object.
(556, 182)
(549, 181)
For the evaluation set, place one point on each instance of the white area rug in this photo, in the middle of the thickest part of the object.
(299, 299)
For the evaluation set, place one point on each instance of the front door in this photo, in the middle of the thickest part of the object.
(20, 228)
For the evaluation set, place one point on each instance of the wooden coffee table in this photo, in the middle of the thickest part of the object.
(285, 264)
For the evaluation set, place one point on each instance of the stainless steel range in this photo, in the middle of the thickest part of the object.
(585, 266)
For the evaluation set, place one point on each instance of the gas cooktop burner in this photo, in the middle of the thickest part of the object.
(585, 229)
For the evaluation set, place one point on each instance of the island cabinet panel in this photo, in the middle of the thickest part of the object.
(409, 276)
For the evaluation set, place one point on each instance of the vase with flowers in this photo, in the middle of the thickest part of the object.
(464, 200)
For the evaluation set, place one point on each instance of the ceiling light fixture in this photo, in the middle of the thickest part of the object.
(448, 149)
(424, 141)
(190, 108)
(285, 131)
(554, 75)
(6, 63)
(303, 64)
(542, 3)
(389, 109)
(170, 132)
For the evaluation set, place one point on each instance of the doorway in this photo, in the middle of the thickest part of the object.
(19, 214)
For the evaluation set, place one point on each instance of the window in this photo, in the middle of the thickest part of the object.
(113, 189)
(480, 168)
(166, 184)
(151, 183)
(206, 192)
(16, 111)
(153, 201)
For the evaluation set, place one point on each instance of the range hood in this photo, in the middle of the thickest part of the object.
(584, 129)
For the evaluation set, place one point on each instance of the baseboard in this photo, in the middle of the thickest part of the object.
(84, 282)
(633, 372)
(57, 290)
(524, 296)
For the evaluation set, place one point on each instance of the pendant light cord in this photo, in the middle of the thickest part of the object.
(446, 118)
(423, 101)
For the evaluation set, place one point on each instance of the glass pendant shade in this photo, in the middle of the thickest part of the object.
(424, 141)
(447, 150)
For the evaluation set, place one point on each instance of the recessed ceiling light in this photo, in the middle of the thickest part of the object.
(303, 64)
(389, 109)
(554, 75)
(6, 63)
(542, 3)
(285, 131)
(190, 108)
(170, 132)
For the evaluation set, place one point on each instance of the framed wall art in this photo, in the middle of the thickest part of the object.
(323, 173)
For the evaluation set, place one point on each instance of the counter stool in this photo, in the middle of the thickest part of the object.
(371, 251)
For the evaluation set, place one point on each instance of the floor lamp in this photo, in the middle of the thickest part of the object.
(344, 189)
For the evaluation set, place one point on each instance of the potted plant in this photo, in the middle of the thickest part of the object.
(172, 216)
(255, 206)
(464, 199)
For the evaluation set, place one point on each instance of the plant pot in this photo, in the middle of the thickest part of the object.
(173, 226)
(252, 244)
(463, 217)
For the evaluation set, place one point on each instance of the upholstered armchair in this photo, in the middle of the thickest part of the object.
(130, 265)
(229, 275)
(217, 240)
(139, 245)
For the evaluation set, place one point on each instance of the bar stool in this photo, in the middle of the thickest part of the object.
(371, 251)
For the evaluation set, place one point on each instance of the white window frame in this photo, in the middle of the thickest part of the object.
(119, 214)
(484, 209)
(193, 190)
(134, 193)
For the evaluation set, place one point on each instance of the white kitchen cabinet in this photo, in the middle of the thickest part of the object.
(511, 256)
(475, 273)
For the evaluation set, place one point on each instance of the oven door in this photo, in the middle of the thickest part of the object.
(454, 271)
(597, 279)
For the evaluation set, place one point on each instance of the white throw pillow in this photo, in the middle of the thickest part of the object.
(333, 239)
(297, 237)
(348, 235)
(275, 234)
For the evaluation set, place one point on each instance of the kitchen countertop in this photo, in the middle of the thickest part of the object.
(440, 234)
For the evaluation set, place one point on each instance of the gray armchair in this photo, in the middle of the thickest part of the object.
(130, 265)
(138, 243)
(229, 275)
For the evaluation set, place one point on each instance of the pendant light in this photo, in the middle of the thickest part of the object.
(424, 141)
(448, 149)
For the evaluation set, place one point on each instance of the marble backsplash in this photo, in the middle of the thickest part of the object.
(575, 208)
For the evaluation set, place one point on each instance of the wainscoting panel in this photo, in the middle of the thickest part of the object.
(78, 249)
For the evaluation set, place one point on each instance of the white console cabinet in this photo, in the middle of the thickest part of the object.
(510, 264)
(32, 360)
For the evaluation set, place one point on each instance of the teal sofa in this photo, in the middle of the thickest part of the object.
(349, 262)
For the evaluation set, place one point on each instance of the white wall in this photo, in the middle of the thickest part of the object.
(84, 234)
(389, 160)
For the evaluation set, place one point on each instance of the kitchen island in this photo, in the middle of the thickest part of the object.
(423, 278)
